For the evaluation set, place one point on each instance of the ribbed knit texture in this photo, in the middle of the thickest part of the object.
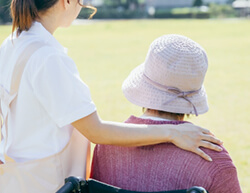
(163, 167)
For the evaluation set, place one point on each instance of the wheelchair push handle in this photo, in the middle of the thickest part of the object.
(196, 189)
(72, 184)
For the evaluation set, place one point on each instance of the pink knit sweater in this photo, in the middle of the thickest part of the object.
(163, 167)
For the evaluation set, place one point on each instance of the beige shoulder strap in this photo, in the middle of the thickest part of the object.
(19, 68)
(7, 97)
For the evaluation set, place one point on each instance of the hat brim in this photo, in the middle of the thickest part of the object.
(140, 92)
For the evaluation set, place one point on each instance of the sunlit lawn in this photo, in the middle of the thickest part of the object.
(105, 53)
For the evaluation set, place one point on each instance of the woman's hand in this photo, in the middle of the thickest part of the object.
(190, 137)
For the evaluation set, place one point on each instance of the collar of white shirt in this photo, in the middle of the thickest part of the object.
(154, 118)
(38, 30)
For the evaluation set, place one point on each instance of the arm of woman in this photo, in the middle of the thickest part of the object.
(185, 136)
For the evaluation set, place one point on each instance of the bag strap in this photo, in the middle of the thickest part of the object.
(8, 97)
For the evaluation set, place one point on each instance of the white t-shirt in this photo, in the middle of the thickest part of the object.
(51, 96)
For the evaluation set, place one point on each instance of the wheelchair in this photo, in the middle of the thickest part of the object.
(79, 185)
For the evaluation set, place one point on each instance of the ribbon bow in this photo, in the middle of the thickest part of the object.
(179, 93)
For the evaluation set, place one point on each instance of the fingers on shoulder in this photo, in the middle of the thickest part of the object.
(211, 139)
(201, 153)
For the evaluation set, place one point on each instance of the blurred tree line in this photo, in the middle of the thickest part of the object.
(118, 9)
(4, 11)
(126, 9)
(126, 4)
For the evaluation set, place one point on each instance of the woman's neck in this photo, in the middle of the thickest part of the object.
(50, 19)
(48, 25)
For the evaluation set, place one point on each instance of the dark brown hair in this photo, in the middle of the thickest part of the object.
(24, 12)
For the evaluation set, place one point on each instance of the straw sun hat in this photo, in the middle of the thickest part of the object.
(171, 78)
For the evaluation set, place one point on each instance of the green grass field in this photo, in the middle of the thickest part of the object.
(105, 52)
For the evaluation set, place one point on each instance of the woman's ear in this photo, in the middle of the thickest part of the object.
(66, 3)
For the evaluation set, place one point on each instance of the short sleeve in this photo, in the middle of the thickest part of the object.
(60, 90)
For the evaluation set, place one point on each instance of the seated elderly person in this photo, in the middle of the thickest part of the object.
(168, 85)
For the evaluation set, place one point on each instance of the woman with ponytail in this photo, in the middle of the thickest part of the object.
(47, 112)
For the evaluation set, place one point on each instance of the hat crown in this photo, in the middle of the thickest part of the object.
(176, 61)
(171, 78)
